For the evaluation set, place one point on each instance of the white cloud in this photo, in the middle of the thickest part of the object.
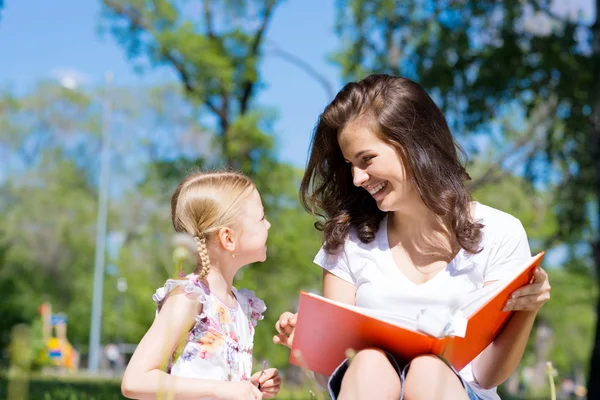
(69, 77)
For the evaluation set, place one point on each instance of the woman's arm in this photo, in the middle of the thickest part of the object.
(334, 288)
(143, 378)
(498, 361)
(339, 290)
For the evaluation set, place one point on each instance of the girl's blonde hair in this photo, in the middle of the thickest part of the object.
(205, 202)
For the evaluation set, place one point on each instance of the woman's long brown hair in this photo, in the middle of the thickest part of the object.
(404, 116)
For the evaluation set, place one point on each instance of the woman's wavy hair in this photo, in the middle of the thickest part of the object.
(404, 116)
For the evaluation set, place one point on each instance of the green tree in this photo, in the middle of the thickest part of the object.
(216, 49)
(483, 60)
(41, 179)
(49, 138)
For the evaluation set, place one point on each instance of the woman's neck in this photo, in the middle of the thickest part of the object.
(418, 229)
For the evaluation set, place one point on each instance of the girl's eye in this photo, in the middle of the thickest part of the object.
(368, 158)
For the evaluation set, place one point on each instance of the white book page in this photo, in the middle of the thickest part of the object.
(476, 299)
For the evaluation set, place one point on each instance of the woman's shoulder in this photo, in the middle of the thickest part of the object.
(352, 243)
(496, 223)
(494, 219)
(353, 240)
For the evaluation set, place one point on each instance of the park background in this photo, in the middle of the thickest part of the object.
(106, 105)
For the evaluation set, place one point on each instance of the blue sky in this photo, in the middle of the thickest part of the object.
(45, 39)
(54, 39)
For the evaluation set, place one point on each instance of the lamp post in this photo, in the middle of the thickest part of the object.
(96, 320)
(121, 288)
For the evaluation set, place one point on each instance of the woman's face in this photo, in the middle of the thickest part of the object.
(376, 166)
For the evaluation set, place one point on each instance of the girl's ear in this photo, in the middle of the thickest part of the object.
(226, 239)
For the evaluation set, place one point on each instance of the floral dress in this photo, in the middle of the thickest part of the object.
(219, 346)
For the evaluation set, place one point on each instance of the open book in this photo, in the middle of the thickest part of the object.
(326, 329)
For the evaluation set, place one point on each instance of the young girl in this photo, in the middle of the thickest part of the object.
(402, 234)
(204, 327)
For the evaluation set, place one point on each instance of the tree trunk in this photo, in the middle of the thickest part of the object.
(512, 384)
(541, 349)
(594, 374)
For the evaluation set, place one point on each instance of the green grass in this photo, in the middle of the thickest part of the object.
(81, 387)
(77, 387)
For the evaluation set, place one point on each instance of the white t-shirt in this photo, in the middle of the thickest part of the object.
(381, 286)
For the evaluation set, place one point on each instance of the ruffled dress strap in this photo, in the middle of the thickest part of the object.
(191, 286)
(252, 305)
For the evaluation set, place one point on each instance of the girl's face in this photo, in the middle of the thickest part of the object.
(254, 230)
(376, 166)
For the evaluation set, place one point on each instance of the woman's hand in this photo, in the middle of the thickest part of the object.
(533, 296)
(285, 329)
(268, 381)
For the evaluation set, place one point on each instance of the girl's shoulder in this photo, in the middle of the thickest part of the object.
(252, 305)
(190, 286)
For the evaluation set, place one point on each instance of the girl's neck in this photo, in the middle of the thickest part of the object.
(220, 282)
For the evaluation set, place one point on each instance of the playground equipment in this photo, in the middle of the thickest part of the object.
(58, 349)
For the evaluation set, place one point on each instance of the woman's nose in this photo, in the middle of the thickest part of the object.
(359, 176)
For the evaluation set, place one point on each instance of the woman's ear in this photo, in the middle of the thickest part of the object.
(226, 239)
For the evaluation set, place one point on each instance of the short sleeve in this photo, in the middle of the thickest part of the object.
(510, 252)
(191, 286)
(337, 264)
(255, 307)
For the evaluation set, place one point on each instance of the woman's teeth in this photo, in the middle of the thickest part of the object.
(377, 188)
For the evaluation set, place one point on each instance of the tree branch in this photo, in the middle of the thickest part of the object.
(495, 172)
(136, 20)
(303, 65)
(208, 19)
(392, 52)
(132, 14)
(248, 86)
(491, 173)
(552, 15)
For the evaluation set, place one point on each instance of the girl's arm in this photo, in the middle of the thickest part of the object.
(143, 378)
(498, 361)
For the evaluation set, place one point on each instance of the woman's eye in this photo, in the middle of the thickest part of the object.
(368, 158)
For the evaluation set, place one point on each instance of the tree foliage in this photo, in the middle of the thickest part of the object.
(517, 73)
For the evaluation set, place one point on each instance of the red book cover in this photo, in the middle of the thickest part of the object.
(326, 329)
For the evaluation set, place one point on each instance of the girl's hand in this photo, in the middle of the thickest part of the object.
(269, 382)
(243, 390)
(531, 297)
(285, 329)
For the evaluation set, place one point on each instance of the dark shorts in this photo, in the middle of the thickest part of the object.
(335, 381)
